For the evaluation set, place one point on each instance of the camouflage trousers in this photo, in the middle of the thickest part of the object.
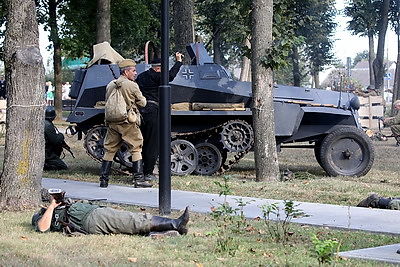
(105, 220)
(395, 129)
(394, 204)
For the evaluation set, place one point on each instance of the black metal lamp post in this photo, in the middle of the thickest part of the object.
(164, 197)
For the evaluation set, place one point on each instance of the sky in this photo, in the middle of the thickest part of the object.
(346, 45)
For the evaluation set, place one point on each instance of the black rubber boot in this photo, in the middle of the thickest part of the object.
(138, 176)
(397, 137)
(383, 203)
(161, 224)
(105, 171)
(150, 177)
(370, 201)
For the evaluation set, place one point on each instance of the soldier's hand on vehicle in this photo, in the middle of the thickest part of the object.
(179, 56)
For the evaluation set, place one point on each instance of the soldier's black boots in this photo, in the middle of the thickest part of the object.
(371, 201)
(160, 224)
(105, 171)
(138, 176)
(375, 201)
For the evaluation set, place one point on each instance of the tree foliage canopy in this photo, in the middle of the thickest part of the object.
(133, 23)
(364, 16)
(306, 24)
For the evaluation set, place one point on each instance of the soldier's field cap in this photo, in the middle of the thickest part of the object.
(126, 63)
(156, 62)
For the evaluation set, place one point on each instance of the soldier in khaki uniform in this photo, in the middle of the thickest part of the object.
(394, 122)
(125, 131)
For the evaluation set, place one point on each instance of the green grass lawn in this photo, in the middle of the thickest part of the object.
(251, 245)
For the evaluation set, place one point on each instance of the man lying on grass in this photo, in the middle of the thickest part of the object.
(86, 218)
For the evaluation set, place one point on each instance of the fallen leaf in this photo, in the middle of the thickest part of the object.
(261, 232)
(198, 264)
(132, 259)
(257, 218)
(221, 259)
(24, 238)
(267, 255)
(252, 250)
(196, 234)
(188, 183)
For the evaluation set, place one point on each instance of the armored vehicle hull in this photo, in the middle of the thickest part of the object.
(211, 120)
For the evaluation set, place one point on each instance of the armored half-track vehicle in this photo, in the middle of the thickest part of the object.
(211, 119)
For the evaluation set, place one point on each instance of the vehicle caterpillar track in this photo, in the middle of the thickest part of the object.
(212, 128)
(205, 152)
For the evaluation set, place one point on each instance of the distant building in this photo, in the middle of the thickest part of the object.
(359, 76)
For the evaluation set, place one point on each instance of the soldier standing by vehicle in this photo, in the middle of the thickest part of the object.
(149, 82)
(124, 130)
(394, 122)
(54, 142)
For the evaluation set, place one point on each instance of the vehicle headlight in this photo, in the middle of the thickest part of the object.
(355, 103)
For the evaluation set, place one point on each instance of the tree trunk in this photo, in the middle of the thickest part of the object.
(183, 26)
(244, 74)
(265, 154)
(217, 48)
(379, 70)
(20, 182)
(103, 21)
(371, 58)
(396, 85)
(316, 79)
(57, 64)
(296, 67)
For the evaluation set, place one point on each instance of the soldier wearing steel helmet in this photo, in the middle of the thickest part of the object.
(54, 142)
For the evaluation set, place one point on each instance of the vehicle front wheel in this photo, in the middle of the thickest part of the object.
(347, 151)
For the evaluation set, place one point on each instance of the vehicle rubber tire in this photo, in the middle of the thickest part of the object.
(210, 159)
(184, 157)
(347, 151)
(317, 152)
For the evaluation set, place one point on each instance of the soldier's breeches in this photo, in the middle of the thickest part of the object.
(395, 129)
(117, 134)
(105, 220)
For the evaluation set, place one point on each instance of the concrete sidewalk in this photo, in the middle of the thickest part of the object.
(334, 216)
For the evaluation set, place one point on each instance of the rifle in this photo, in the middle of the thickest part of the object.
(67, 147)
(71, 227)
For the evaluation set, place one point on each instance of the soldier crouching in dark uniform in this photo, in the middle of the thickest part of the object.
(54, 142)
(86, 218)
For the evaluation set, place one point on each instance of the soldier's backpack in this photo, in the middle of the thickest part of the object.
(115, 109)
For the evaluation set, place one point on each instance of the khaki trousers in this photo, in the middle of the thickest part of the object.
(125, 132)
